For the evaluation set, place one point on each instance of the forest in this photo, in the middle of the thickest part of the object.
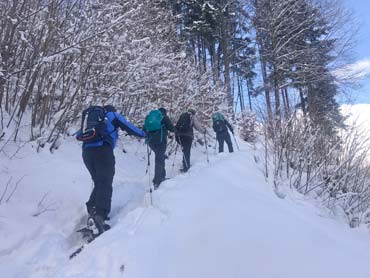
(269, 65)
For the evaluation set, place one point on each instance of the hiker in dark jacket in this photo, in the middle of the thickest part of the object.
(99, 160)
(185, 135)
(157, 141)
(221, 126)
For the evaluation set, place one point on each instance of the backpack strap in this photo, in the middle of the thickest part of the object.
(84, 113)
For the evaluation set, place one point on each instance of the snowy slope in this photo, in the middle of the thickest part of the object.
(219, 220)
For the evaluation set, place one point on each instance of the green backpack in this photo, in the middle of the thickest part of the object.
(153, 121)
(217, 117)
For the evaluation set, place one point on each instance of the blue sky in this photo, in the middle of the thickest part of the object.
(361, 10)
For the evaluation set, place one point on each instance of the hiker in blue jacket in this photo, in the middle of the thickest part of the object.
(98, 156)
(157, 141)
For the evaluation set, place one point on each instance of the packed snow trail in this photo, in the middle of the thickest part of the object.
(222, 220)
(218, 220)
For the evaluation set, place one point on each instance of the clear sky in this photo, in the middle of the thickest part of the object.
(361, 10)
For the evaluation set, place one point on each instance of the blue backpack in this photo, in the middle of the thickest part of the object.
(93, 125)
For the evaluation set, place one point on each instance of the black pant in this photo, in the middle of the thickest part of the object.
(159, 150)
(185, 142)
(224, 137)
(100, 162)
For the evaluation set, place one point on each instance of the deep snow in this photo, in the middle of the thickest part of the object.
(221, 219)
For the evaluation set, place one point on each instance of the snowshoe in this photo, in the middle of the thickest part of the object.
(95, 227)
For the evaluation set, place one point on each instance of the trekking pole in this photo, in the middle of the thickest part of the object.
(174, 158)
(206, 143)
(148, 171)
(236, 142)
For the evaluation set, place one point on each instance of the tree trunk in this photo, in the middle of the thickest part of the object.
(249, 94)
(226, 61)
(303, 102)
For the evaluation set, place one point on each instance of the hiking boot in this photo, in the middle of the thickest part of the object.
(91, 226)
(155, 185)
(100, 226)
(184, 170)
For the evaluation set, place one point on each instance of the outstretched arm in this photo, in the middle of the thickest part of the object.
(125, 125)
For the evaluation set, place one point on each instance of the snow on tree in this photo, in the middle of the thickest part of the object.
(61, 56)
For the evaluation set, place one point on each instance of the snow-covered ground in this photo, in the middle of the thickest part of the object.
(221, 219)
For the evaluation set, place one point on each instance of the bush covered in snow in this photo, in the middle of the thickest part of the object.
(247, 125)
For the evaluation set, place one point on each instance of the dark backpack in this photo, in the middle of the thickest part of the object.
(219, 126)
(183, 124)
(93, 125)
(153, 121)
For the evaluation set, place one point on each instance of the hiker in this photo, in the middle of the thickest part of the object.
(185, 135)
(220, 126)
(99, 139)
(157, 125)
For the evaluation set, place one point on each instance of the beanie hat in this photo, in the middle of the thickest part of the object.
(191, 110)
(163, 111)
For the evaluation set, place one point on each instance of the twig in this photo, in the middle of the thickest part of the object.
(5, 190)
(17, 151)
(14, 189)
(41, 207)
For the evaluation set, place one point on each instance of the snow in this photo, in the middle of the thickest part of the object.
(220, 219)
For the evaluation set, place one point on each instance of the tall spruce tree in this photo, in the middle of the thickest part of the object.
(295, 52)
(217, 35)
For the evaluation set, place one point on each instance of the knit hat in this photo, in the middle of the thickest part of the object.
(163, 111)
(192, 111)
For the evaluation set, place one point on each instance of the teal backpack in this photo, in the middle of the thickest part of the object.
(153, 121)
(217, 117)
(219, 124)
